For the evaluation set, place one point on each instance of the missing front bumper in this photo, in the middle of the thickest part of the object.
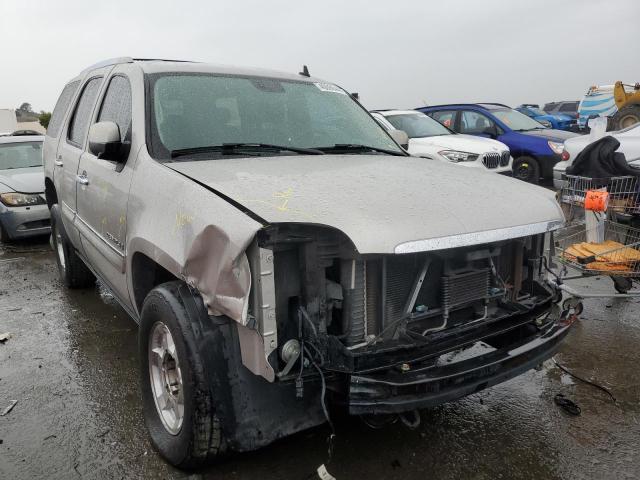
(392, 391)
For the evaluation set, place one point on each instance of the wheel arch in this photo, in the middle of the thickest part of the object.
(146, 274)
(50, 192)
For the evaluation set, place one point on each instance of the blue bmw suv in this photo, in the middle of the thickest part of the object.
(535, 148)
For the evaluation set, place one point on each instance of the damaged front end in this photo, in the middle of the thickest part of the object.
(386, 329)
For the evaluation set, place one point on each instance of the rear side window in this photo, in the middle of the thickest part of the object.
(80, 120)
(116, 106)
(445, 117)
(61, 108)
(569, 107)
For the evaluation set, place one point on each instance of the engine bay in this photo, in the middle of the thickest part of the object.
(352, 313)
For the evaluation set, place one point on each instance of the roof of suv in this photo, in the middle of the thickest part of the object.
(385, 113)
(485, 105)
(160, 66)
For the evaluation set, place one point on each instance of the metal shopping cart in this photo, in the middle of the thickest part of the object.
(602, 237)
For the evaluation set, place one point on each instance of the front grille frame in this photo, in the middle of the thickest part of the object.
(491, 160)
(504, 158)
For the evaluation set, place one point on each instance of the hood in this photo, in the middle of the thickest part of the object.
(578, 143)
(384, 204)
(461, 142)
(24, 180)
(557, 117)
(551, 134)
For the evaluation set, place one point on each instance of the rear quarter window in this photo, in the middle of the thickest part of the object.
(62, 105)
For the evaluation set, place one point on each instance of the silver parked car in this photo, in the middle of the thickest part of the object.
(23, 210)
(281, 252)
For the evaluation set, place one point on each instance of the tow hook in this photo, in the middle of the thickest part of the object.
(407, 421)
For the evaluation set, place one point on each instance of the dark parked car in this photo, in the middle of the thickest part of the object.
(558, 121)
(535, 149)
(23, 210)
(565, 108)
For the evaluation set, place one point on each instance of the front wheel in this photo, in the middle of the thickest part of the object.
(4, 236)
(527, 169)
(178, 403)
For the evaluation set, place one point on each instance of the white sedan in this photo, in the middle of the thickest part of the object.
(629, 139)
(429, 138)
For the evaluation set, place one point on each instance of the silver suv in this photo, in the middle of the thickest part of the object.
(283, 255)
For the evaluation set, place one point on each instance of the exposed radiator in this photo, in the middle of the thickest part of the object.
(373, 285)
(464, 288)
(401, 273)
(371, 292)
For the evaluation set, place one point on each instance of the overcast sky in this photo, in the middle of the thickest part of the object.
(394, 53)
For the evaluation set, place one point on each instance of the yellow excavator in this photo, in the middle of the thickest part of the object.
(628, 103)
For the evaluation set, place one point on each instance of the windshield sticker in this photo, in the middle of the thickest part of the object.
(329, 87)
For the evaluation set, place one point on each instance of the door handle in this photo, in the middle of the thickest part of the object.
(58, 161)
(82, 179)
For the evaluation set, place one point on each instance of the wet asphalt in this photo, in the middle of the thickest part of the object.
(72, 366)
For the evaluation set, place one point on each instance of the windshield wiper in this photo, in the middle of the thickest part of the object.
(232, 148)
(354, 147)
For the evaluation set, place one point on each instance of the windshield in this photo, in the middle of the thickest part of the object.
(516, 120)
(20, 155)
(418, 125)
(191, 111)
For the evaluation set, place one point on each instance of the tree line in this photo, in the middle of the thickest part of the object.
(25, 113)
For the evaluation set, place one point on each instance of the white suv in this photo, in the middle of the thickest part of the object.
(429, 138)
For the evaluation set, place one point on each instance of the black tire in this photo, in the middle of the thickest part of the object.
(199, 439)
(626, 116)
(527, 169)
(622, 284)
(4, 236)
(73, 272)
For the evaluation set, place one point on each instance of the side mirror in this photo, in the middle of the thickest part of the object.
(105, 141)
(401, 138)
(491, 131)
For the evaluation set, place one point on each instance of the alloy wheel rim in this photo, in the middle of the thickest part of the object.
(166, 378)
(522, 172)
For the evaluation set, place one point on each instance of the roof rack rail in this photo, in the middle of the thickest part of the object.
(162, 60)
(106, 63)
(494, 103)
